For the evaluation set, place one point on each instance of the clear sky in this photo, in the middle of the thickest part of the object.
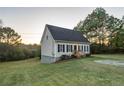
(30, 22)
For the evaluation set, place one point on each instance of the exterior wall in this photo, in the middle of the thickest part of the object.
(49, 59)
(58, 54)
(47, 46)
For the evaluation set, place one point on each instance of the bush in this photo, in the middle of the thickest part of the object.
(98, 49)
(78, 54)
(65, 57)
(87, 55)
(11, 53)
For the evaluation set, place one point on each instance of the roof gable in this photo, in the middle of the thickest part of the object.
(64, 34)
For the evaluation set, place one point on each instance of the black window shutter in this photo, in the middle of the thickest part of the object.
(58, 48)
(63, 48)
(71, 48)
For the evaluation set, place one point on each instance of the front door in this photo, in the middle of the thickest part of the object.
(75, 48)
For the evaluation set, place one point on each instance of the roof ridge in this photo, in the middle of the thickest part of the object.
(59, 27)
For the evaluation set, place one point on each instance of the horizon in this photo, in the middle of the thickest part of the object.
(30, 22)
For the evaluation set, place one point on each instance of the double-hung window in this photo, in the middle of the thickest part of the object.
(61, 48)
(71, 48)
(82, 48)
(68, 48)
(87, 48)
(79, 48)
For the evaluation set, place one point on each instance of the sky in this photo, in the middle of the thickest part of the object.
(29, 22)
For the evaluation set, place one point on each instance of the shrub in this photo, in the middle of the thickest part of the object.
(87, 55)
(65, 57)
(98, 49)
(11, 53)
(78, 54)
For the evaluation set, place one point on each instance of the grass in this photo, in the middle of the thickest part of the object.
(72, 72)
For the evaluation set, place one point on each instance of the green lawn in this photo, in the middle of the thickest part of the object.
(72, 72)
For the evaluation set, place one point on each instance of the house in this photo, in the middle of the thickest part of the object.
(58, 41)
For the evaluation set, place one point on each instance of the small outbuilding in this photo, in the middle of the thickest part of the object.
(57, 41)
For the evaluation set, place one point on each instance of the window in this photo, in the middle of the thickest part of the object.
(82, 48)
(71, 48)
(75, 48)
(61, 48)
(87, 48)
(68, 48)
(79, 48)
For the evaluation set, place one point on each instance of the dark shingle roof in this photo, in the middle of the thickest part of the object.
(60, 33)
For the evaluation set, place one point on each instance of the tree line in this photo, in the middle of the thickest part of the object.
(11, 47)
(104, 31)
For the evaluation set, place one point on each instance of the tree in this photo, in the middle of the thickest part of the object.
(94, 26)
(114, 25)
(117, 32)
(100, 28)
(105, 32)
(118, 40)
(1, 34)
(1, 23)
(9, 36)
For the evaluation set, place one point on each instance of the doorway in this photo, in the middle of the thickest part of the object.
(75, 48)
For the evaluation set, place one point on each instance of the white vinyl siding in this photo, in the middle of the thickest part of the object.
(47, 44)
